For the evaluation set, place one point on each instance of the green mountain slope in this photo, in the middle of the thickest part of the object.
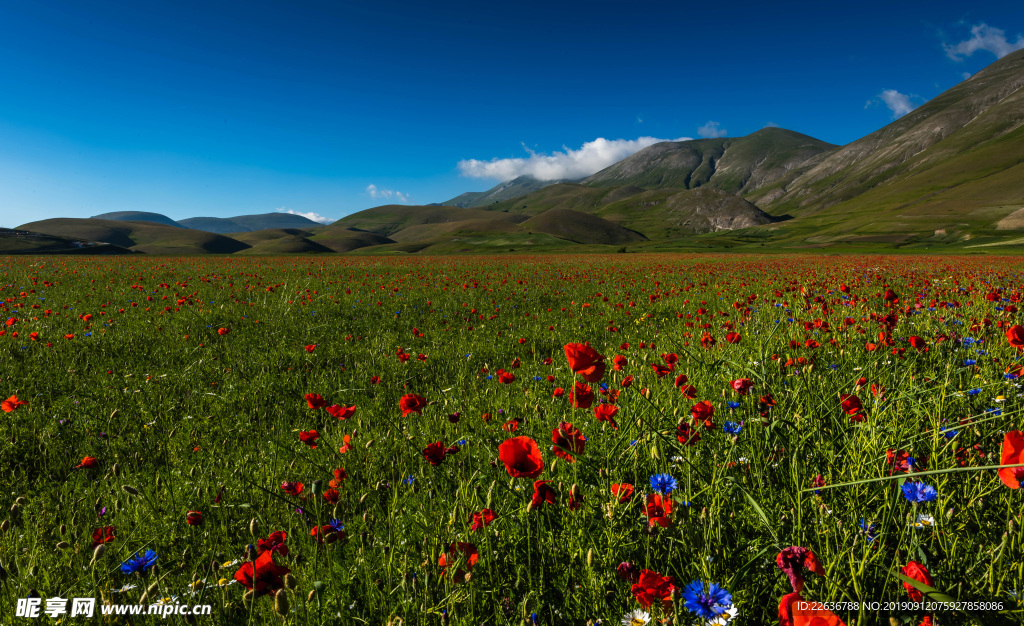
(139, 236)
(247, 223)
(137, 216)
(516, 187)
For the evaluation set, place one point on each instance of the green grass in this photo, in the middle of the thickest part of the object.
(179, 413)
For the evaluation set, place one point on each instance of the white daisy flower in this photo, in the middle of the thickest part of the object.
(636, 618)
(723, 619)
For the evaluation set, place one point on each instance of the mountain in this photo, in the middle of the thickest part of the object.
(737, 165)
(137, 216)
(138, 236)
(391, 218)
(509, 189)
(247, 223)
(13, 241)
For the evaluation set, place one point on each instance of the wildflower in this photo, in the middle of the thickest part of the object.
(636, 618)
(521, 457)
(311, 347)
(619, 362)
(793, 560)
(1015, 336)
(581, 396)
(139, 563)
(542, 493)
(1012, 454)
(89, 462)
(341, 411)
(273, 543)
(12, 403)
(707, 605)
(292, 489)
(703, 411)
(315, 401)
(686, 434)
(339, 475)
(652, 587)
(919, 492)
(412, 403)
(623, 491)
(920, 573)
(868, 528)
(102, 535)
(465, 552)
(568, 440)
(742, 385)
(264, 576)
(658, 509)
(732, 428)
(663, 483)
(585, 361)
(434, 453)
(481, 519)
(627, 571)
(605, 412)
(852, 406)
(309, 438)
(194, 518)
(223, 331)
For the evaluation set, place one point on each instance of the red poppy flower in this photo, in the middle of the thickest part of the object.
(733, 337)
(434, 453)
(104, 534)
(658, 509)
(264, 576)
(918, 343)
(89, 462)
(346, 446)
(542, 492)
(327, 533)
(890, 296)
(1015, 335)
(339, 476)
(623, 491)
(222, 331)
(273, 543)
(742, 386)
(341, 411)
(481, 519)
(652, 587)
(374, 380)
(12, 403)
(194, 518)
(619, 362)
(568, 440)
(505, 377)
(1013, 453)
(702, 412)
(575, 498)
(581, 396)
(627, 381)
(292, 489)
(332, 495)
(558, 392)
(686, 434)
(521, 457)
(606, 412)
(790, 613)
(793, 560)
(707, 340)
(585, 361)
(920, 573)
(852, 406)
(309, 438)
(661, 370)
(315, 401)
(412, 403)
(627, 571)
(311, 347)
(464, 552)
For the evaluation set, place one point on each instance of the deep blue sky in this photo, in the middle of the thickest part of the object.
(250, 107)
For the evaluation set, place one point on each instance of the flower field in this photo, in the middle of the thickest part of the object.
(516, 440)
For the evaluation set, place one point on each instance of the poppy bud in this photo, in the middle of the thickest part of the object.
(158, 482)
(5, 525)
(63, 529)
(98, 552)
(289, 581)
(115, 470)
(63, 545)
(254, 527)
(369, 443)
(130, 490)
(247, 597)
(364, 497)
(654, 451)
(314, 488)
(21, 501)
(311, 595)
(192, 473)
(490, 492)
(590, 555)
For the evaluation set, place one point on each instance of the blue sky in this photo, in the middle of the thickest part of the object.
(334, 107)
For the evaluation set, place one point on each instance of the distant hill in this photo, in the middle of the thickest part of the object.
(139, 236)
(519, 186)
(951, 169)
(737, 165)
(388, 219)
(247, 223)
(16, 241)
(137, 216)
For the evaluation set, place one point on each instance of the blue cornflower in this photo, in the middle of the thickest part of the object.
(948, 434)
(995, 412)
(632, 442)
(969, 362)
(732, 428)
(663, 483)
(973, 392)
(410, 479)
(706, 605)
(868, 528)
(336, 525)
(733, 405)
(139, 563)
(919, 492)
(462, 442)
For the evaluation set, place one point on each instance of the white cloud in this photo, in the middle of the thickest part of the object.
(592, 157)
(966, 75)
(984, 37)
(711, 129)
(772, 125)
(387, 194)
(898, 103)
(309, 215)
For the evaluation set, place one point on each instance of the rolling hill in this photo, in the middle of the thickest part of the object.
(137, 216)
(138, 236)
(247, 223)
(514, 188)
